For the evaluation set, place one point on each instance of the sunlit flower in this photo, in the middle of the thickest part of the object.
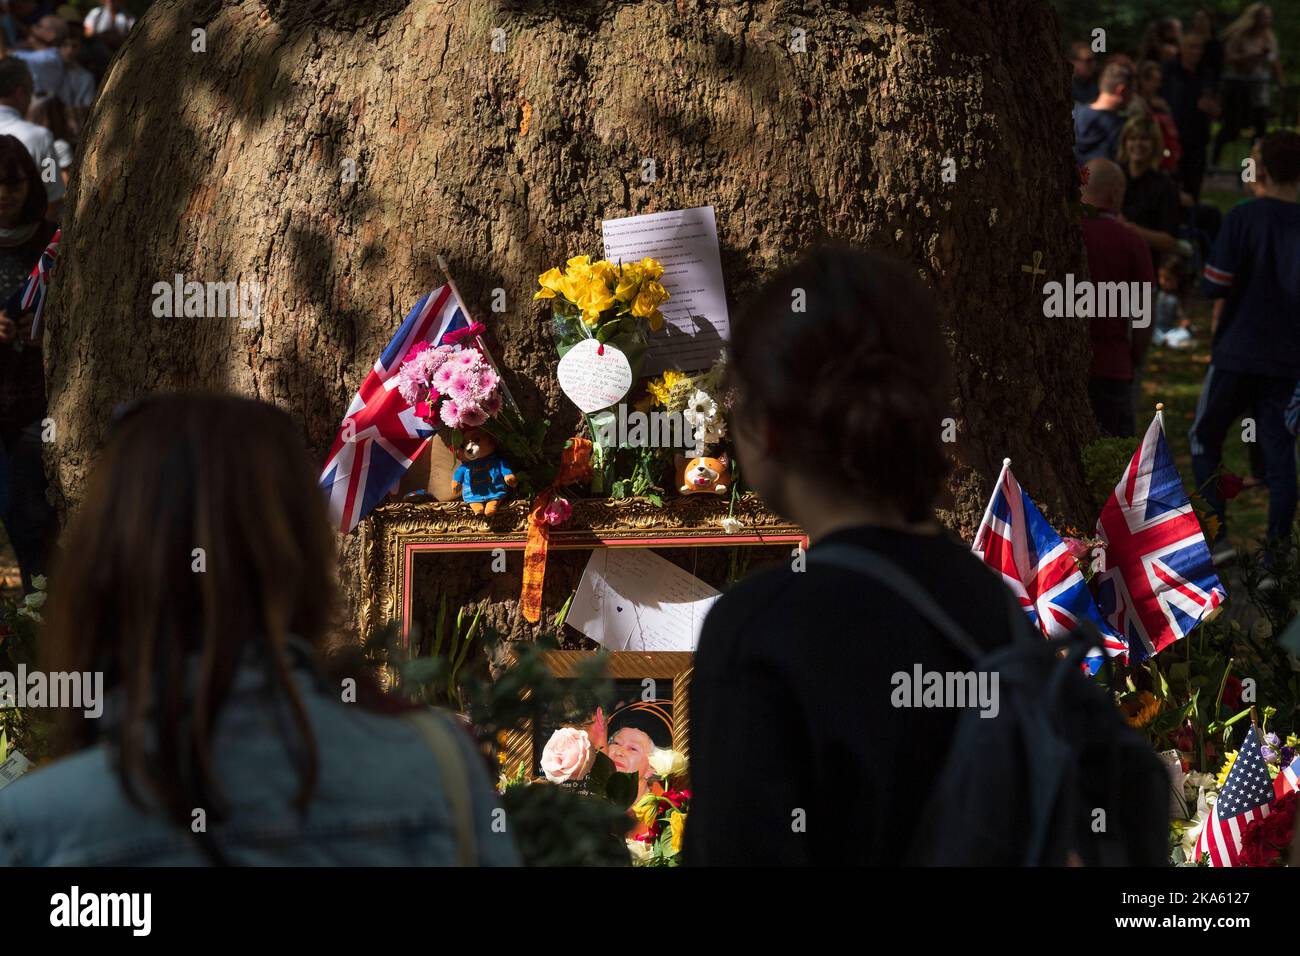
(1140, 709)
(677, 829)
(1228, 760)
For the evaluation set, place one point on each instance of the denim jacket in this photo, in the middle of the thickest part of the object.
(379, 797)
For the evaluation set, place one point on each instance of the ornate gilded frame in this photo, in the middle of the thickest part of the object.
(663, 665)
(396, 532)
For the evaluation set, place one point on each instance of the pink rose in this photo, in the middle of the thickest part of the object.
(557, 512)
(1078, 548)
(568, 755)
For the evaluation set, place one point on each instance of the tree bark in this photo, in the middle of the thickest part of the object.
(231, 165)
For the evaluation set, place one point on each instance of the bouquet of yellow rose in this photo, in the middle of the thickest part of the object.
(614, 304)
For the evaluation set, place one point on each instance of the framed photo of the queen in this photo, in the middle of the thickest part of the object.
(646, 716)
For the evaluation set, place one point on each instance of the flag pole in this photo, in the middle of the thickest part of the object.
(1006, 463)
(1160, 414)
(478, 339)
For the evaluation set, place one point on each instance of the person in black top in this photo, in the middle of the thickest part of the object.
(798, 756)
(24, 233)
(1150, 197)
(1212, 56)
(1193, 104)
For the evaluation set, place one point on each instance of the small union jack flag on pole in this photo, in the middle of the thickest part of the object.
(1247, 795)
(32, 296)
(1159, 581)
(1018, 542)
(382, 434)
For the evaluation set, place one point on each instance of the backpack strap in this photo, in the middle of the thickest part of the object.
(447, 752)
(883, 571)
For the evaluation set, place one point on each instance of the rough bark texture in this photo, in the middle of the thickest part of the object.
(228, 165)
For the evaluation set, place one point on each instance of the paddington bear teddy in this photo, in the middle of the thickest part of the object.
(483, 477)
(703, 475)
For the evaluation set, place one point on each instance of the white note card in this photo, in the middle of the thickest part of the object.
(14, 767)
(685, 243)
(630, 599)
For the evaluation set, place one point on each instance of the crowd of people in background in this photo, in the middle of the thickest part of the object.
(52, 59)
(1145, 137)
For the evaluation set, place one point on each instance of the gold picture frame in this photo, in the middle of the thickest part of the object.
(397, 532)
(677, 666)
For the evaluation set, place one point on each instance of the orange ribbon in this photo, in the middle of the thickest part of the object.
(575, 466)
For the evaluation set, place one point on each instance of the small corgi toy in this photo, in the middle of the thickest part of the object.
(703, 475)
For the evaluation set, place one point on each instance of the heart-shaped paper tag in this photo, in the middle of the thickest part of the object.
(594, 376)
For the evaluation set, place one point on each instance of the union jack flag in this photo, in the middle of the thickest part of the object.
(381, 434)
(31, 297)
(1158, 582)
(1287, 780)
(1247, 795)
(1018, 542)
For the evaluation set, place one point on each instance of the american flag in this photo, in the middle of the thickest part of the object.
(1018, 542)
(382, 434)
(1158, 582)
(1246, 795)
(1288, 779)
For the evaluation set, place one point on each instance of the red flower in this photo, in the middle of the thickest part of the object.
(1229, 485)
(677, 798)
(1264, 841)
(1232, 693)
(460, 335)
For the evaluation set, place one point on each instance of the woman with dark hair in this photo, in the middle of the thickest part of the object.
(198, 580)
(24, 233)
(840, 410)
(1160, 40)
(1212, 60)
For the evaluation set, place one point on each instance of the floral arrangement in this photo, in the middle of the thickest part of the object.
(1264, 841)
(614, 304)
(658, 818)
(452, 385)
(663, 827)
(702, 400)
(604, 295)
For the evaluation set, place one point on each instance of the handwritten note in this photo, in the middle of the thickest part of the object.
(594, 377)
(685, 242)
(630, 599)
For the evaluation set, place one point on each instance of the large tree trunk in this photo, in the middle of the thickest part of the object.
(231, 165)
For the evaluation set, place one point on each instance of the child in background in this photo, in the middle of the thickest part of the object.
(1173, 328)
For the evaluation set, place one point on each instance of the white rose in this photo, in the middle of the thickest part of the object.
(667, 763)
(731, 525)
(568, 755)
(640, 851)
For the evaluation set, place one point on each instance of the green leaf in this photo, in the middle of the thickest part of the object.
(621, 789)
(440, 626)
(601, 770)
